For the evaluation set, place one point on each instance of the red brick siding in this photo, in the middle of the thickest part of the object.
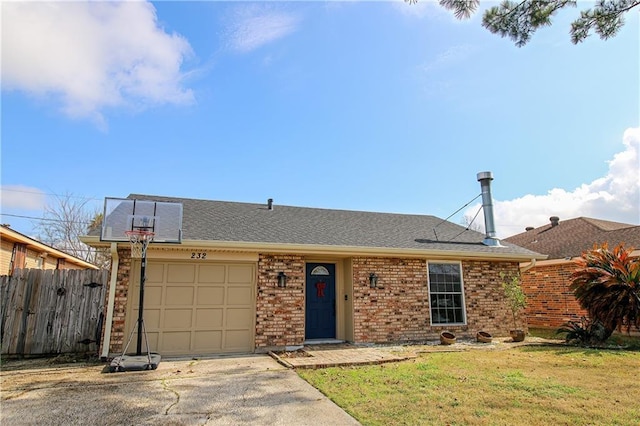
(550, 303)
(398, 310)
(487, 308)
(120, 306)
(395, 310)
(280, 311)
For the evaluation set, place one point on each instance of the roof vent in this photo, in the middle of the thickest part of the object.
(529, 228)
(270, 204)
(485, 179)
(554, 220)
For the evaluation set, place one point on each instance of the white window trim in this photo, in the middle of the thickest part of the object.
(464, 302)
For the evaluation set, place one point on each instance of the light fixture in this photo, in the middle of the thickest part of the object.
(373, 280)
(282, 279)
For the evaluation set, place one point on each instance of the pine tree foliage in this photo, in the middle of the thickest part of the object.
(519, 20)
(607, 285)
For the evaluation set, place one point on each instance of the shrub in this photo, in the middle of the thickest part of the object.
(584, 332)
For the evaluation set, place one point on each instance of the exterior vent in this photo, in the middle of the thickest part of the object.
(485, 179)
(555, 220)
(270, 204)
(529, 228)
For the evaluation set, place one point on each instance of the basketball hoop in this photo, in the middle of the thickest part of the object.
(139, 239)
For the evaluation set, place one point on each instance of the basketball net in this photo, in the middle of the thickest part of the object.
(139, 241)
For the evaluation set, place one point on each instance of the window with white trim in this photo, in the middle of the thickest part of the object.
(446, 297)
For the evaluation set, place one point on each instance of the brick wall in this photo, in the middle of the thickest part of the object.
(398, 310)
(280, 314)
(487, 308)
(550, 303)
(120, 306)
(394, 311)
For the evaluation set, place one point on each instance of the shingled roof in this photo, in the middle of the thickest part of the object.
(570, 238)
(222, 221)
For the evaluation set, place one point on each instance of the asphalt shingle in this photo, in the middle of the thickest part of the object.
(570, 238)
(208, 220)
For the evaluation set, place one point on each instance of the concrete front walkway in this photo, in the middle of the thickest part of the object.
(347, 354)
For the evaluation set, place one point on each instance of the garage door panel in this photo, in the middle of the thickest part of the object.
(240, 274)
(154, 273)
(152, 295)
(177, 319)
(152, 337)
(239, 296)
(179, 296)
(212, 274)
(151, 318)
(236, 340)
(197, 308)
(208, 341)
(210, 296)
(209, 318)
(176, 341)
(239, 318)
(181, 273)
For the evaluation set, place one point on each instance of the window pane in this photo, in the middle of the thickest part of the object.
(445, 288)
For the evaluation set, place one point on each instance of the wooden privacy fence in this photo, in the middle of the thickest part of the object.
(52, 311)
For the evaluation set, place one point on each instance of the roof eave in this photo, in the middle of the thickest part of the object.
(340, 251)
(11, 235)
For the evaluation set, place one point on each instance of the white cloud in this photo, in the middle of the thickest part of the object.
(420, 9)
(255, 25)
(452, 56)
(89, 56)
(21, 197)
(614, 197)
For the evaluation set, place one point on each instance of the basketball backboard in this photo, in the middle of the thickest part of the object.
(162, 218)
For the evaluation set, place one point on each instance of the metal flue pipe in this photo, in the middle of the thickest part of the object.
(485, 179)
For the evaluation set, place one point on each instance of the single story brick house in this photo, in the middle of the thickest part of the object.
(550, 303)
(250, 278)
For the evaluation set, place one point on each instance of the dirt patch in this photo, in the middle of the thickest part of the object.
(12, 364)
(300, 353)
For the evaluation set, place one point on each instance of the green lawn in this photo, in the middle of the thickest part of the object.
(518, 386)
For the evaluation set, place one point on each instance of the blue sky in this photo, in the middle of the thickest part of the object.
(379, 106)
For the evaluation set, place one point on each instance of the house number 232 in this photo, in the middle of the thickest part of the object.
(198, 255)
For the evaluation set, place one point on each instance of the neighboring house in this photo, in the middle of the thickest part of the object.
(352, 276)
(17, 251)
(550, 302)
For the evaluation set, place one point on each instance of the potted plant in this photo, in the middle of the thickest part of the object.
(483, 337)
(447, 338)
(516, 300)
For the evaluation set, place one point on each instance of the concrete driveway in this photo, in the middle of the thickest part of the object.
(247, 390)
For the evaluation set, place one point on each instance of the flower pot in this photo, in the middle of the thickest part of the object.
(447, 338)
(517, 335)
(483, 337)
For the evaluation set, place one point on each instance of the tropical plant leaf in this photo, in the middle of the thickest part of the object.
(607, 285)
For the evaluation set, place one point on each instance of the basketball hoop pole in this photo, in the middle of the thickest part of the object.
(140, 239)
(143, 266)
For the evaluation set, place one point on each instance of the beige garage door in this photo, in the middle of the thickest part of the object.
(196, 308)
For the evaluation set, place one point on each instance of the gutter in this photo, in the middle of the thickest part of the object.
(343, 251)
(115, 262)
(529, 266)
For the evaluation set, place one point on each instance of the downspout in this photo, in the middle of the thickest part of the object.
(529, 266)
(115, 261)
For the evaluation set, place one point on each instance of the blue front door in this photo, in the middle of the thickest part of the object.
(321, 301)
